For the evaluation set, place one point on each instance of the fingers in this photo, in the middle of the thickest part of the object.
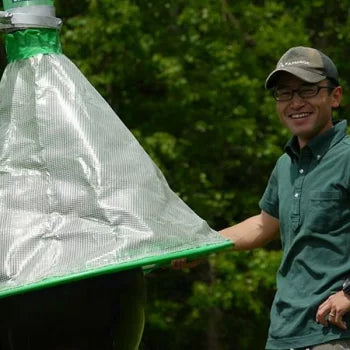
(179, 264)
(338, 319)
(323, 312)
(194, 263)
(332, 311)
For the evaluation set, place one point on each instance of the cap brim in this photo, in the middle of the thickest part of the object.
(305, 75)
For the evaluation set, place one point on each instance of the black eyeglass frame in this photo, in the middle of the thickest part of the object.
(293, 91)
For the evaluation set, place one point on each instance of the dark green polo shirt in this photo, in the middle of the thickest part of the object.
(309, 192)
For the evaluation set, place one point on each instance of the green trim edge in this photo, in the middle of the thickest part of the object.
(147, 263)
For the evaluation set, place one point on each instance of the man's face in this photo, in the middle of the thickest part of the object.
(306, 117)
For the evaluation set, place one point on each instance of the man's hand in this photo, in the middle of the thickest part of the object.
(333, 309)
(179, 264)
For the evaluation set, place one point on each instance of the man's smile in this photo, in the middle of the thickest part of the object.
(299, 115)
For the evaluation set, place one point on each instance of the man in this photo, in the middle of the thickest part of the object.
(307, 201)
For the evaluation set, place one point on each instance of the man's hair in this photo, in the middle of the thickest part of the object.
(332, 84)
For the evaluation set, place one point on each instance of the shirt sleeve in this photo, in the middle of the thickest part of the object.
(269, 201)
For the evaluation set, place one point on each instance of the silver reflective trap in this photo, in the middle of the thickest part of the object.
(78, 194)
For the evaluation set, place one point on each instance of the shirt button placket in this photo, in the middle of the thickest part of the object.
(295, 215)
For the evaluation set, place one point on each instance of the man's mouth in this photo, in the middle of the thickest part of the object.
(299, 115)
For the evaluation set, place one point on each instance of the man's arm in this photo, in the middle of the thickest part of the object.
(254, 232)
(248, 234)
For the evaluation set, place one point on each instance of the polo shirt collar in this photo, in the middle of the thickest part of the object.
(320, 144)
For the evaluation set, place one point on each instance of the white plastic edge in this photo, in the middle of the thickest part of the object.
(29, 17)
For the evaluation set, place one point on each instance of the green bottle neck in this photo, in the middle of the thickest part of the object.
(27, 43)
(9, 4)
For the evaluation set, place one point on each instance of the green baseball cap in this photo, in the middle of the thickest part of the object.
(306, 63)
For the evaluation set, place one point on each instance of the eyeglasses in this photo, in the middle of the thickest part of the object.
(307, 91)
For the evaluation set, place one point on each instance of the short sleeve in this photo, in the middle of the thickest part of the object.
(269, 201)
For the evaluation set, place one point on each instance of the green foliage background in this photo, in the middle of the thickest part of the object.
(187, 77)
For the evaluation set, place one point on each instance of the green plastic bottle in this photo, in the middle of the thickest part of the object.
(9, 4)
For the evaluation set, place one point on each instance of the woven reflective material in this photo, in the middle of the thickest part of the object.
(77, 191)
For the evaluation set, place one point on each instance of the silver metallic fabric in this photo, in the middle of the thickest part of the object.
(77, 191)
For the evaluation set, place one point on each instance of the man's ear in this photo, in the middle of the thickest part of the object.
(337, 95)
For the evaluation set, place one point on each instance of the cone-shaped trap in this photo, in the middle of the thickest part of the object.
(78, 194)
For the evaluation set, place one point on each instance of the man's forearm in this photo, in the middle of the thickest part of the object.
(252, 233)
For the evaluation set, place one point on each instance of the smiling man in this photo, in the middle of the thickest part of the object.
(308, 113)
(307, 204)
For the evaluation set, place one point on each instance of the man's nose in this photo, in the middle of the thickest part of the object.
(297, 101)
